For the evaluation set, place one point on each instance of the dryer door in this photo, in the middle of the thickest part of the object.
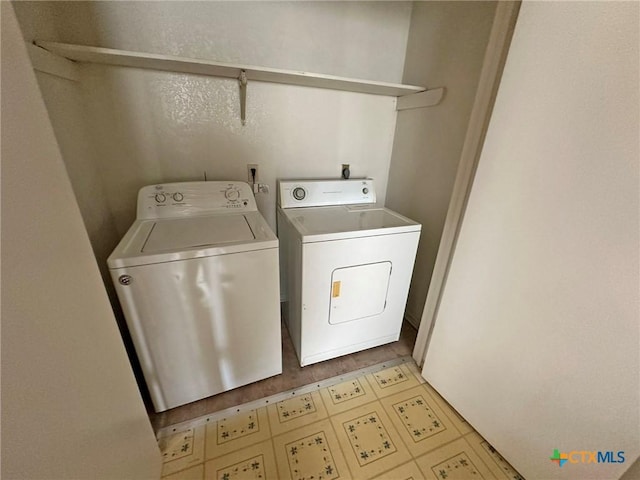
(359, 291)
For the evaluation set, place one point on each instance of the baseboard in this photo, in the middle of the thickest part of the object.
(415, 322)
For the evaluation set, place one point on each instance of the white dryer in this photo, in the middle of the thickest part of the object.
(197, 278)
(346, 265)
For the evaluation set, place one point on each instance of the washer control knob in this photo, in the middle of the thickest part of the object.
(161, 197)
(365, 190)
(232, 194)
(178, 197)
(125, 279)
(299, 193)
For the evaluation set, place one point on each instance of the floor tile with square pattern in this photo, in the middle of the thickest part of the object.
(382, 422)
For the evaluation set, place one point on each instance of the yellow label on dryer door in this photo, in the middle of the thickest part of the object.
(335, 291)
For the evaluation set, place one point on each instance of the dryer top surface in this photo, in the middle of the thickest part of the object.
(332, 223)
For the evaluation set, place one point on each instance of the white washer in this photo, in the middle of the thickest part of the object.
(346, 266)
(197, 278)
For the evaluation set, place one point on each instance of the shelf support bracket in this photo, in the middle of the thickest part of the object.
(428, 98)
(242, 80)
(47, 62)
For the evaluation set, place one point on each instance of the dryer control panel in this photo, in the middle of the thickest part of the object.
(168, 200)
(320, 193)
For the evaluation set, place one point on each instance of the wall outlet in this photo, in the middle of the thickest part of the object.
(251, 178)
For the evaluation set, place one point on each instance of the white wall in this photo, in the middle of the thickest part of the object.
(70, 405)
(446, 46)
(351, 39)
(536, 341)
(152, 127)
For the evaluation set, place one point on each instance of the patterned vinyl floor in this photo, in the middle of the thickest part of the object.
(384, 422)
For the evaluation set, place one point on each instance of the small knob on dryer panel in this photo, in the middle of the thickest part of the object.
(299, 193)
(161, 197)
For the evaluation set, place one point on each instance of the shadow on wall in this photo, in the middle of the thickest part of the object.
(67, 112)
(446, 46)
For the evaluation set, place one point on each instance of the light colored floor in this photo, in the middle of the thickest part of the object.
(292, 376)
(385, 422)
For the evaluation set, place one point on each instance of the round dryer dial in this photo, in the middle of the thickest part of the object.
(299, 193)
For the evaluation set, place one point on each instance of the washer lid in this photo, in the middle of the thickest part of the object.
(181, 233)
(173, 239)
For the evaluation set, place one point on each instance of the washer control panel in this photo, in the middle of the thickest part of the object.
(318, 193)
(194, 198)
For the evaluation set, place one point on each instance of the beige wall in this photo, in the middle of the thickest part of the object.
(70, 405)
(66, 108)
(64, 104)
(68, 116)
(536, 339)
(446, 46)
